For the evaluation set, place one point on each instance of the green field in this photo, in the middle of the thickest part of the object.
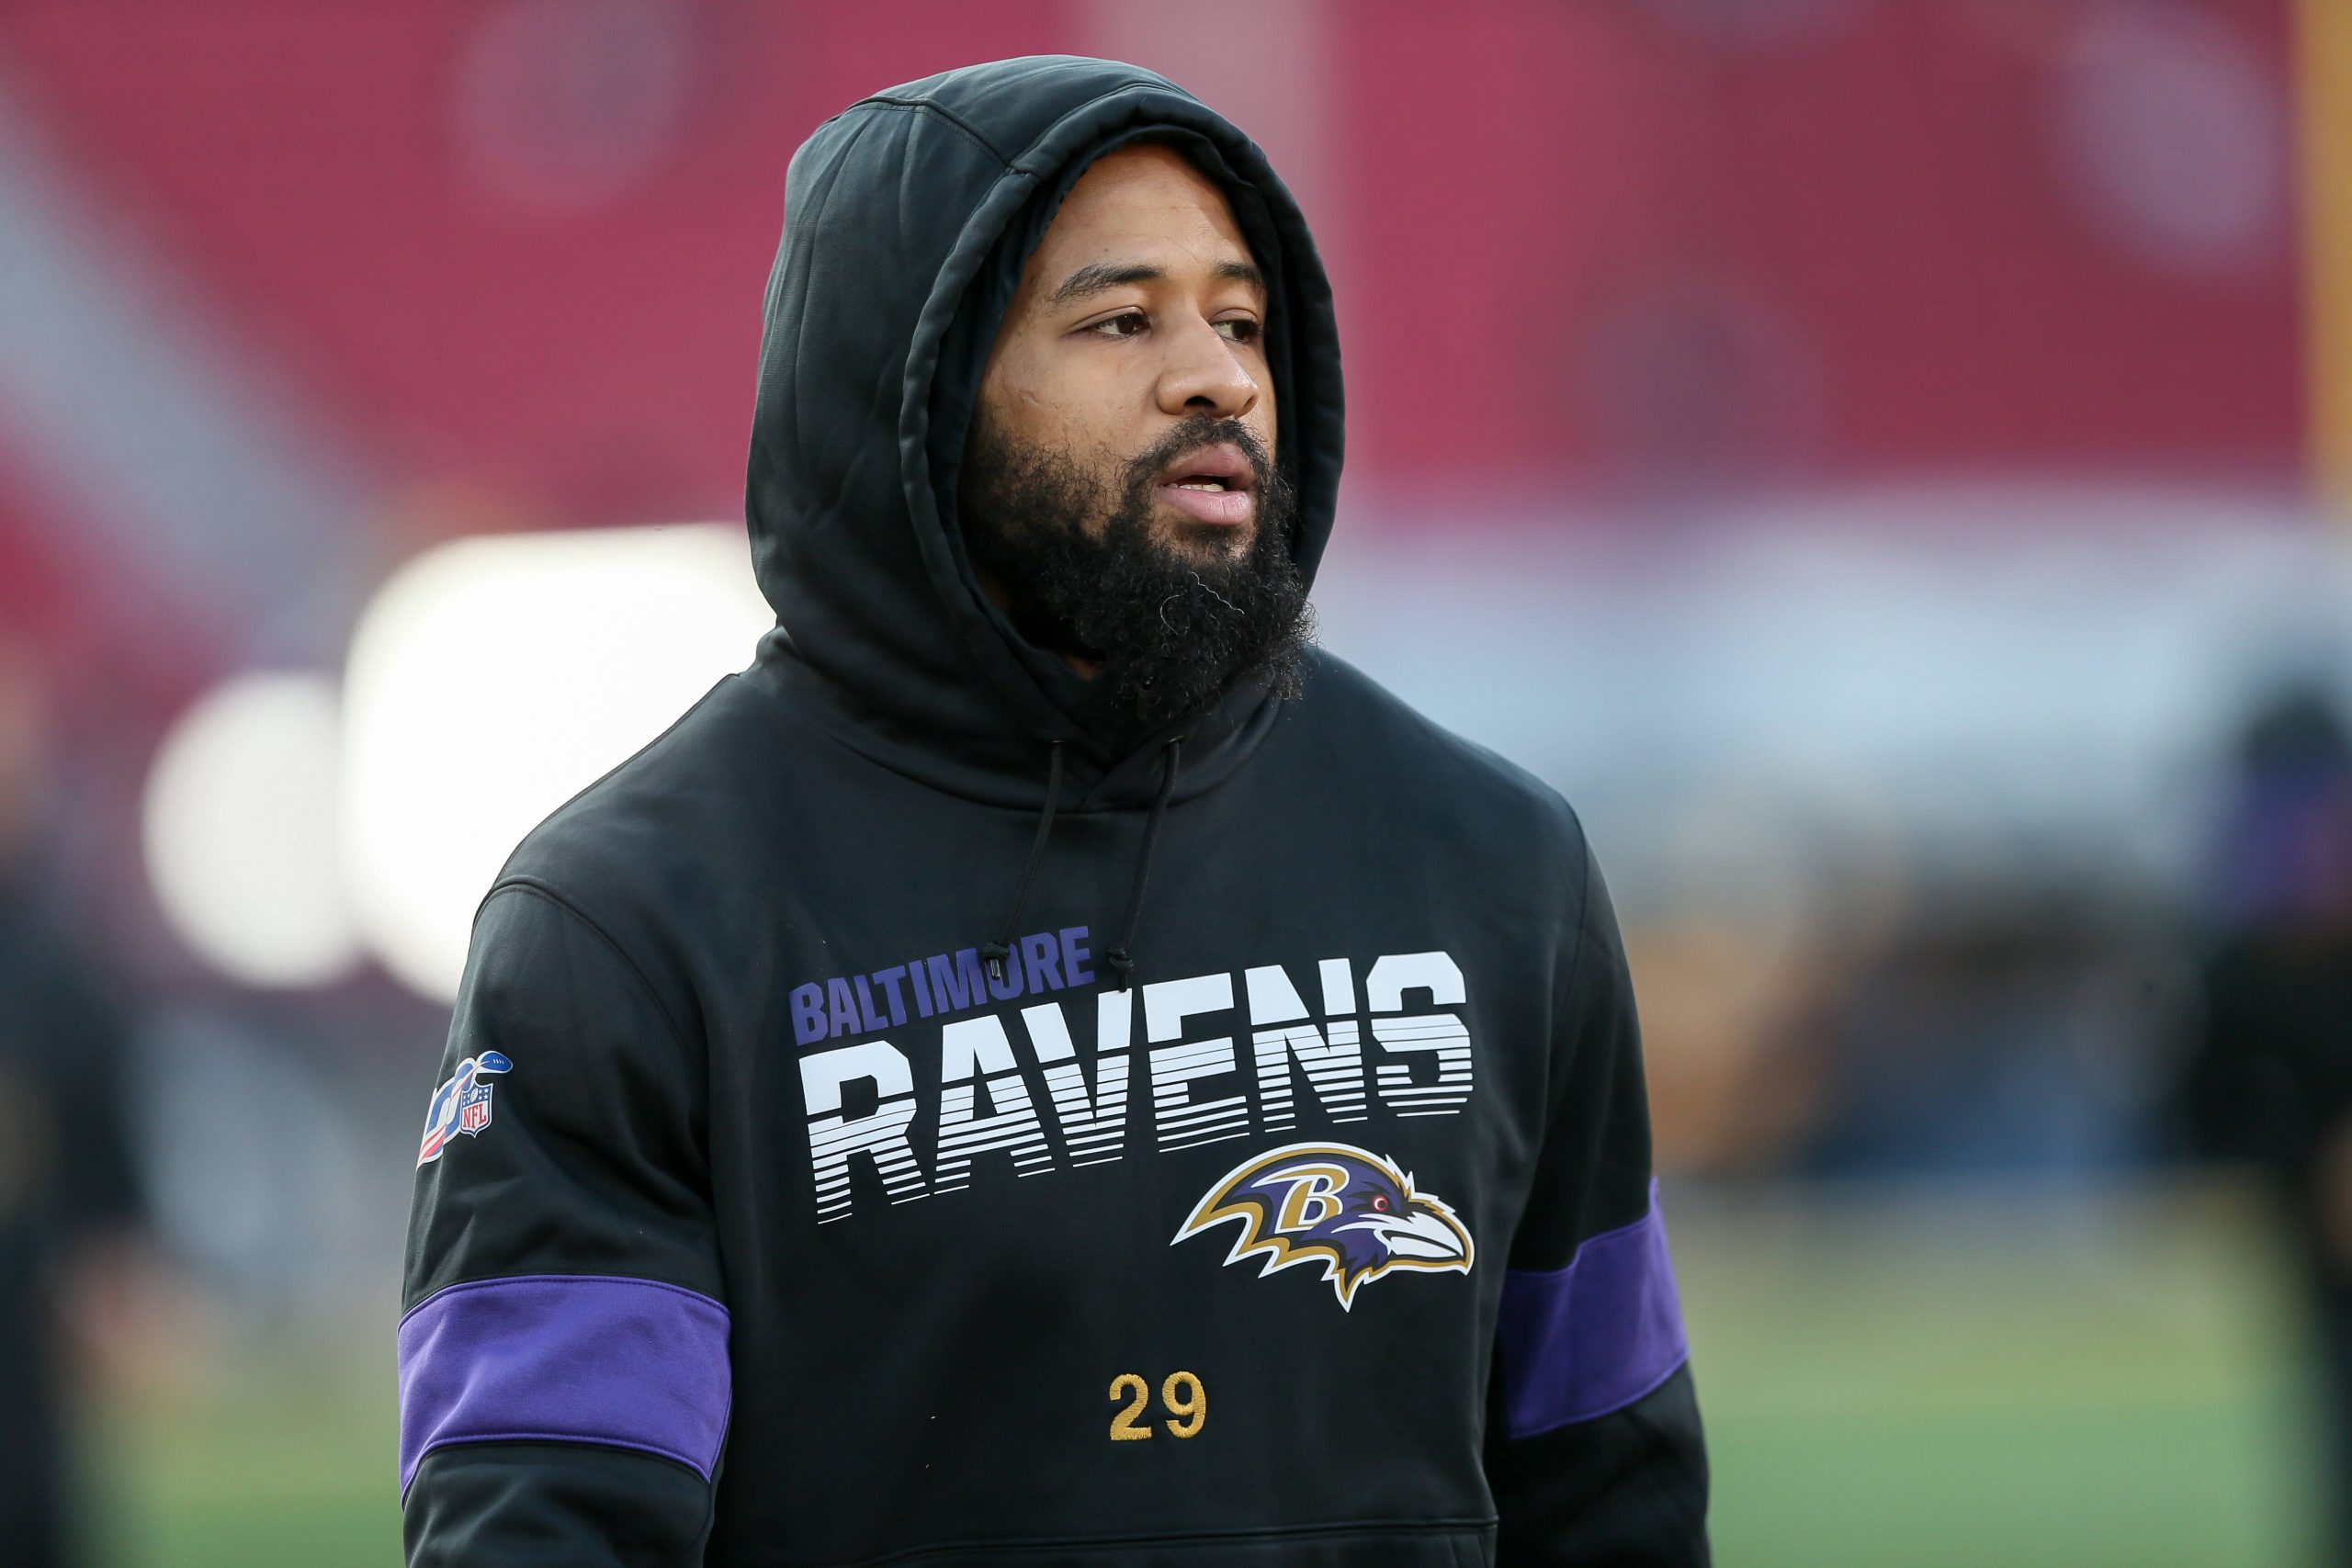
(1992, 1384)
(1917, 1382)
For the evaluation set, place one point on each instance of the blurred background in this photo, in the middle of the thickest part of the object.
(1881, 459)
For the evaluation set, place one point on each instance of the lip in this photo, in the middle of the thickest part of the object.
(1229, 508)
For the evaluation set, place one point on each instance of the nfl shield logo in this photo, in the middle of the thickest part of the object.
(460, 1105)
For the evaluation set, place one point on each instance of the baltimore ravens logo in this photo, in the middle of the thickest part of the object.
(1343, 1207)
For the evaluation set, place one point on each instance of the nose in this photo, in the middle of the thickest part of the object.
(1204, 376)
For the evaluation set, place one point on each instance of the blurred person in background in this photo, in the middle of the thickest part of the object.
(70, 1209)
(1969, 1041)
(2270, 1077)
(717, 1245)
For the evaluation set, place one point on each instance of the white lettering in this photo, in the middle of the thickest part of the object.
(1093, 1122)
(881, 1136)
(1184, 1121)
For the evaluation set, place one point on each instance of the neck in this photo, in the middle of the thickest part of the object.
(1084, 666)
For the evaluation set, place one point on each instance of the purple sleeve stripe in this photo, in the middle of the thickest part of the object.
(565, 1359)
(1582, 1341)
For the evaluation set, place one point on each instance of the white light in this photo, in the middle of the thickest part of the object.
(493, 679)
(241, 835)
(2179, 136)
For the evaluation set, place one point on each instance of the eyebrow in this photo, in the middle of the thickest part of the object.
(1097, 277)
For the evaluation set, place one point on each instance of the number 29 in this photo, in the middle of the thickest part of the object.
(1186, 1401)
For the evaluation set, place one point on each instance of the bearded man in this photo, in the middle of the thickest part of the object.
(1045, 1066)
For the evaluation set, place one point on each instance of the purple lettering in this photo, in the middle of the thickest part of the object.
(1042, 957)
(809, 1014)
(922, 988)
(1005, 989)
(975, 978)
(866, 1016)
(1075, 955)
(845, 1007)
(889, 980)
(959, 985)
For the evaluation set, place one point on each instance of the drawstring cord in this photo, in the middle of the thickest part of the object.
(1121, 958)
(994, 954)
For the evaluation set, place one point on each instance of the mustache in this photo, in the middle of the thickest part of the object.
(1191, 436)
(1083, 573)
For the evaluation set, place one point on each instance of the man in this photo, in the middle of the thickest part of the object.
(2267, 1079)
(71, 1209)
(1043, 1067)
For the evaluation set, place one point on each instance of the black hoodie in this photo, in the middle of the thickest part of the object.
(899, 1116)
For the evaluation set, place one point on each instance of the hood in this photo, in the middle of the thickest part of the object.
(908, 218)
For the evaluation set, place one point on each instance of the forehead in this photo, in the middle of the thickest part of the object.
(1145, 204)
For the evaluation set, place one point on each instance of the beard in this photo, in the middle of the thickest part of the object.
(1175, 626)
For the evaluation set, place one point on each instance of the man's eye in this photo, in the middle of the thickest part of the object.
(1240, 329)
(1127, 325)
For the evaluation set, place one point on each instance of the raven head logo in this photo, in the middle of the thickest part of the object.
(1343, 1207)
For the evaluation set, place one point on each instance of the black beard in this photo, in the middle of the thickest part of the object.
(1172, 635)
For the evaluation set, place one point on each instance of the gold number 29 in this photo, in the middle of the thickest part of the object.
(1186, 1401)
(1193, 1409)
(1122, 1426)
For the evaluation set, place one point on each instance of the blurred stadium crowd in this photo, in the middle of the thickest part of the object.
(1880, 457)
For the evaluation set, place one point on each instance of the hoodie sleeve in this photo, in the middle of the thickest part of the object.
(563, 1361)
(1594, 1450)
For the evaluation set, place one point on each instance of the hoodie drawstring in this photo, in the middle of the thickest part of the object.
(1122, 958)
(994, 954)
